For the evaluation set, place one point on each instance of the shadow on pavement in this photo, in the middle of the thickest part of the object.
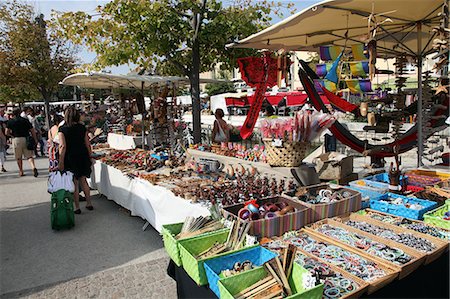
(33, 255)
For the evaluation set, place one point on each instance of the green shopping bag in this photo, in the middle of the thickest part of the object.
(61, 213)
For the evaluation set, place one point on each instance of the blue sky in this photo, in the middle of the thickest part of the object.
(46, 6)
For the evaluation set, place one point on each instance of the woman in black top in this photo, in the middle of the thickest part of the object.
(75, 154)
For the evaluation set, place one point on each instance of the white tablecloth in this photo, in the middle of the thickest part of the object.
(155, 204)
(123, 142)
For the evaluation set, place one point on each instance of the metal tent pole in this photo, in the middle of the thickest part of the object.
(143, 116)
(419, 96)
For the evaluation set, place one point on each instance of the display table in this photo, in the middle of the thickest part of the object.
(263, 168)
(430, 281)
(155, 204)
(123, 142)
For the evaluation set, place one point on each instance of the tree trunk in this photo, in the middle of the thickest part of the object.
(195, 91)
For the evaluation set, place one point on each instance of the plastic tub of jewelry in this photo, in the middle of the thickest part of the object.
(370, 185)
(432, 231)
(399, 205)
(328, 200)
(234, 264)
(337, 282)
(241, 284)
(271, 216)
(384, 251)
(326, 250)
(169, 232)
(431, 247)
(383, 178)
(366, 196)
(440, 216)
(192, 253)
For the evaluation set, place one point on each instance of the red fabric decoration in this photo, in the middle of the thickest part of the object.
(253, 202)
(259, 72)
(339, 102)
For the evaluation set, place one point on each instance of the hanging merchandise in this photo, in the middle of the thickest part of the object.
(325, 84)
(359, 68)
(333, 75)
(259, 72)
(359, 85)
(328, 53)
(360, 52)
(323, 69)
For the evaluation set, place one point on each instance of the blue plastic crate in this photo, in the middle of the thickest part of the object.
(401, 210)
(366, 196)
(257, 255)
(376, 183)
(160, 156)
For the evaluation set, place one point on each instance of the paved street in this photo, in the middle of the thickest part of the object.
(106, 255)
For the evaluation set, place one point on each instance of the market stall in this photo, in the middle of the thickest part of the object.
(123, 142)
(155, 204)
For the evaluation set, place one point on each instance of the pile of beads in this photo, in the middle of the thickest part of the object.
(335, 284)
(424, 229)
(350, 262)
(407, 239)
(394, 255)
(417, 226)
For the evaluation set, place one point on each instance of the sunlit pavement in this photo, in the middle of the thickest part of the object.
(106, 254)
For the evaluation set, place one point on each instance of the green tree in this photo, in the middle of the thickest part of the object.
(32, 60)
(176, 37)
(218, 88)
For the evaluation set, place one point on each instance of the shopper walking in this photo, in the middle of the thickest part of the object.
(21, 129)
(2, 149)
(53, 142)
(75, 154)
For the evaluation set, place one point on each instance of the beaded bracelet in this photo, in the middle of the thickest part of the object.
(394, 255)
(335, 284)
(407, 239)
(350, 262)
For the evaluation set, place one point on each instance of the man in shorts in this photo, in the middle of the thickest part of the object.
(20, 128)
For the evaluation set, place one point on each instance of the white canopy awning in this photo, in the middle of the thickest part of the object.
(326, 23)
(112, 81)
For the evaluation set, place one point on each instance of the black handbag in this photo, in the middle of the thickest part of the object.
(31, 144)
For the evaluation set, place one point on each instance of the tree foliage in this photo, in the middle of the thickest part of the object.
(158, 35)
(32, 61)
(169, 37)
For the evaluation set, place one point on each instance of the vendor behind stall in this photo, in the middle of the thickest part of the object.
(221, 131)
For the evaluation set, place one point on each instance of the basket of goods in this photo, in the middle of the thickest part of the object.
(366, 195)
(195, 251)
(274, 280)
(270, 216)
(287, 141)
(440, 216)
(408, 207)
(234, 264)
(192, 227)
(378, 182)
(328, 200)
(350, 260)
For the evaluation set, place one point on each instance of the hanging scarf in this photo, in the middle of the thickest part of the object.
(259, 72)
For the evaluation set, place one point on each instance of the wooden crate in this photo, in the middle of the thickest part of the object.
(441, 246)
(392, 273)
(412, 220)
(406, 269)
(363, 286)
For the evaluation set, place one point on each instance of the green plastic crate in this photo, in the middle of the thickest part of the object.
(435, 216)
(190, 248)
(169, 231)
(231, 286)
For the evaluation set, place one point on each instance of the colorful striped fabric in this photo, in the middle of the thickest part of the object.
(328, 53)
(333, 75)
(331, 86)
(323, 69)
(360, 52)
(359, 85)
(359, 68)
